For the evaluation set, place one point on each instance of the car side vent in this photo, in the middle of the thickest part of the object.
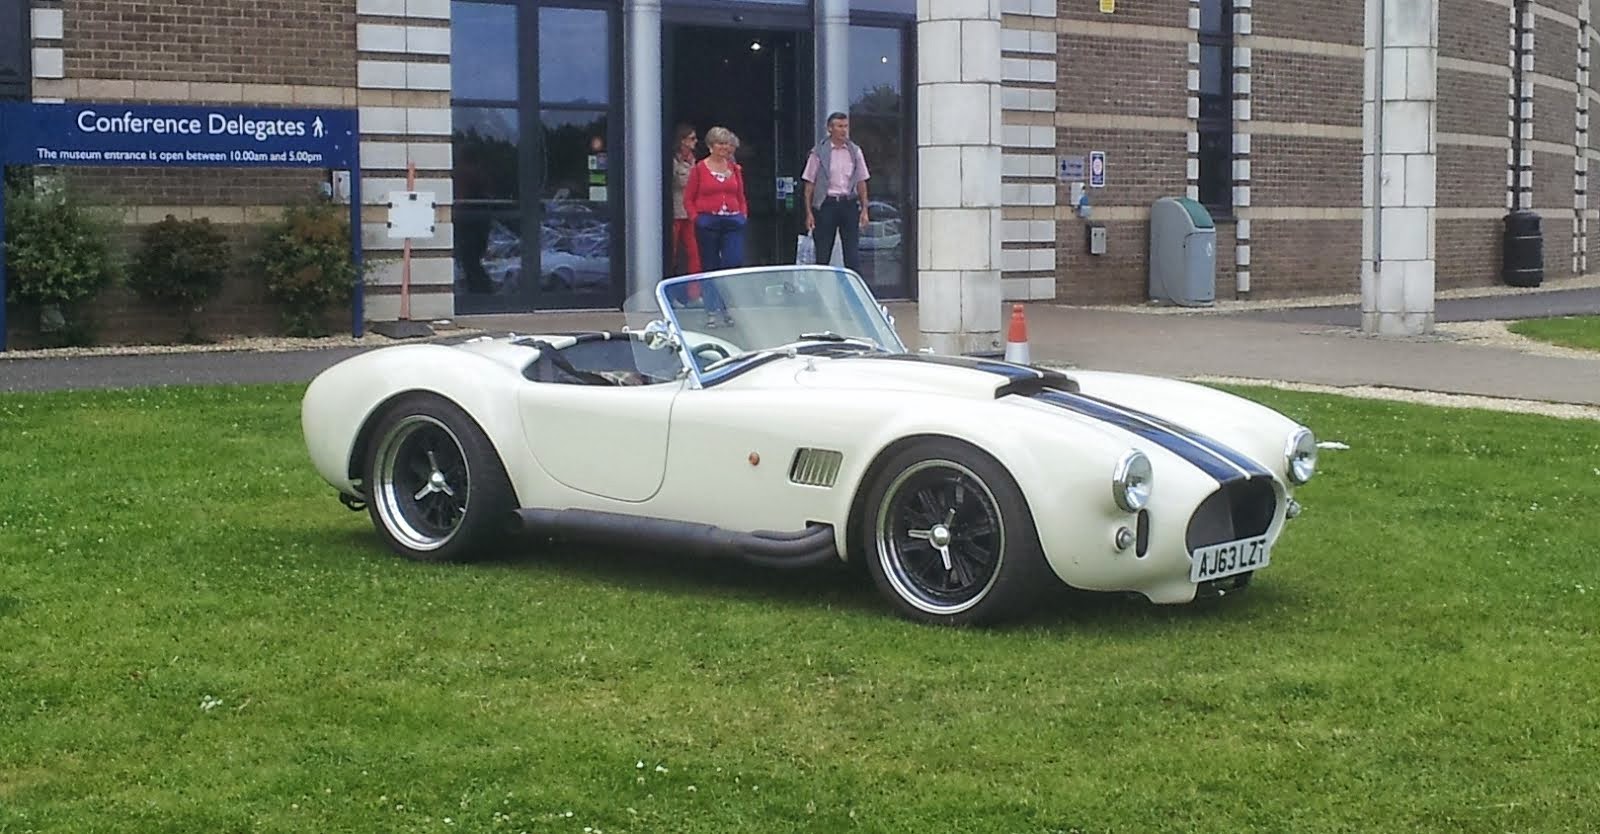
(815, 467)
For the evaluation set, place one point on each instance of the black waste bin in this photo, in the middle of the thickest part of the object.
(1523, 255)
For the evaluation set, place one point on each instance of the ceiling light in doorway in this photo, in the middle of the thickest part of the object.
(884, 59)
(755, 46)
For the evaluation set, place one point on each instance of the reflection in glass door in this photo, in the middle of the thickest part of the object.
(880, 125)
(573, 178)
(533, 196)
(487, 147)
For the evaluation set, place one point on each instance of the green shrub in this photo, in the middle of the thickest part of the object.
(182, 262)
(307, 264)
(58, 255)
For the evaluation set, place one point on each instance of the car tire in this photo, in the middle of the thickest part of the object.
(437, 491)
(949, 538)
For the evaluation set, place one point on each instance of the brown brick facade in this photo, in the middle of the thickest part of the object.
(1308, 89)
(305, 42)
(1305, 257)
(1477, 177)
(1305, 171)
(1323, 21)
(1469, 253)
(1118, 88)
(1123, 77)
(1473, 103)
(1473, 30)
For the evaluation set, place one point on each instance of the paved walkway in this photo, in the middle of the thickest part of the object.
(1316, 345)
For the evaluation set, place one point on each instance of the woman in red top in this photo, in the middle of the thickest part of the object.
(715, 201)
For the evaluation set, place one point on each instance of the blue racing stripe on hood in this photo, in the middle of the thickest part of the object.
(1209, 456)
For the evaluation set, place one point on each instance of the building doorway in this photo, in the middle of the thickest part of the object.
(757, 83)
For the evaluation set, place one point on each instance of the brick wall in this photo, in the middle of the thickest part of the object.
(1299, 257)
(1122, 89)
(306, 42)
(1305, 148)
(1306, 171)
(1469, 252)
(1323, 21)
(1310, 89)
(1473, 151)
(1142, 12)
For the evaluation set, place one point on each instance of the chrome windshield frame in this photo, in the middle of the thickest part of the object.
(873, 309)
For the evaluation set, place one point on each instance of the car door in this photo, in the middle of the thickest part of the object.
(603, 440)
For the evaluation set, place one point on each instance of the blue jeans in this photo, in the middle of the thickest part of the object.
(721, 239)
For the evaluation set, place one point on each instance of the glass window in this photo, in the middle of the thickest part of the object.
(878, 123)
(1216, 170)
(907, 7)
(572, 70)
(15, 50)
(575, 233)
(1216, 106)
(487, 69)
(486, 141)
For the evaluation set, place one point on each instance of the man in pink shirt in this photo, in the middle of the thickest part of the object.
(839, 205)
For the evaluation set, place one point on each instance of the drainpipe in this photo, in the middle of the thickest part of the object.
(1377, 141)
(1518, 35)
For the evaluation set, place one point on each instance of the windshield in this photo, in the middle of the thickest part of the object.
(741, 313)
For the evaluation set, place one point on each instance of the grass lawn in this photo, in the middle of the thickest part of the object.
(1581, 332)
(196, 637)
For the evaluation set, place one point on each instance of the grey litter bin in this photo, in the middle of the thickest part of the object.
(1183, 253)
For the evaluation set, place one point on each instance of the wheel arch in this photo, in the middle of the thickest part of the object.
(855, 548)
(356, 465)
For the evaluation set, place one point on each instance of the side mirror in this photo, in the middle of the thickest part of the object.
(658, 336)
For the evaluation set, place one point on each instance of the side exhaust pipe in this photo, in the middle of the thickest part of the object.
(811, 547)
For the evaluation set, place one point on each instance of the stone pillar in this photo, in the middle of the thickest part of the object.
(832, 60)
(959, 194)
(1399, 155)
(641, 67)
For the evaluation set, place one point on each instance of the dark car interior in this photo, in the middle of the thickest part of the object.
(602, 358)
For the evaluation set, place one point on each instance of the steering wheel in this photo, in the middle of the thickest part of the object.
(712, 348)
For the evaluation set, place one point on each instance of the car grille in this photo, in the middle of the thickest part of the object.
(1239, 510)
(815, 467)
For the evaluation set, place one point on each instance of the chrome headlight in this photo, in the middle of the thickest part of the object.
(1131, 481)
(1301, 455)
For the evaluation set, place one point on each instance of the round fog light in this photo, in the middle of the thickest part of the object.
(1125, 538)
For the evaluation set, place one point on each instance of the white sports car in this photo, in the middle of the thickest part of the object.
(785, 423)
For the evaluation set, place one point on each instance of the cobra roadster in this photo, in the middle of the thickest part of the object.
(775, 416)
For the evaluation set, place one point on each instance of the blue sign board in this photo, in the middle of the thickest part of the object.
(1097, 169)
(165, 135)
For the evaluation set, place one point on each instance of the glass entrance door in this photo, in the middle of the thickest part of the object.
(755, 82)
(535, 192)
(882, 124)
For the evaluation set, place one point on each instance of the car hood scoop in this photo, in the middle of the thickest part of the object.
(954, 375)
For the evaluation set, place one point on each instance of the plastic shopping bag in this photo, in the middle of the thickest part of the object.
(805, 250)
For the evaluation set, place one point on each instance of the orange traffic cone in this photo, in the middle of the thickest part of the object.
(1017, 338)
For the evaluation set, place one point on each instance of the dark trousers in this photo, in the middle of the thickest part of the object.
(721, 239)
(841, 216)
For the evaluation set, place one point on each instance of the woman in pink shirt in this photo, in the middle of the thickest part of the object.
(715, 201)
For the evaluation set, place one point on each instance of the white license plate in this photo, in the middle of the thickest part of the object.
(1226, 559)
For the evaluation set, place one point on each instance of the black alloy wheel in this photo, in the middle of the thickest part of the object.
(949, 536)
